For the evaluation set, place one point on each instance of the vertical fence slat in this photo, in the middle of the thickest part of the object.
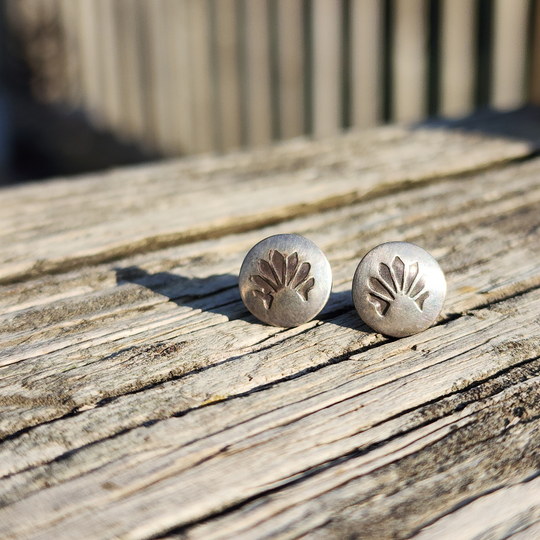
(109, 62)
(509, 53)
(180, 97)
(327, 95)
(204, 119)
(534, 89)
(229, 84)
(68, 20)
(409, 63)
(291, 68)
(366, 62)
(259, 112)
(159, 54)
(169, 14)
(457, 57)
(130, 69)
(90, 59)
(168, 71)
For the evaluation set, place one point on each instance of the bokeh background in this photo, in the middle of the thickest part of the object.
(90, 84)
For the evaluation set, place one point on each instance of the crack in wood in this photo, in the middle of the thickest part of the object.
(326, 430)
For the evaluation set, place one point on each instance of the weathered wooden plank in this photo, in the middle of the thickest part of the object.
(64, 224)
(500, 514)
(529, 532)
(438, 457)
(346, 407)
(139, 399)
(96, 331)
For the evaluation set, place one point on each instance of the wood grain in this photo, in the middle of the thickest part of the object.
(64, 224)
(139, 399)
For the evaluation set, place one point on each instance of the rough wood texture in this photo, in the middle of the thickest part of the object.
(139, 399)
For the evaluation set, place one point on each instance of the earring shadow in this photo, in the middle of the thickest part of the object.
(219, 294)
(340, 311)
(215, 294)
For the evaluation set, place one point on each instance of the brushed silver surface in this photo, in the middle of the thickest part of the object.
(399, 289)
(285, 280)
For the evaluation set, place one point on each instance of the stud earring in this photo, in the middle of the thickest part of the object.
(398, 289)
(285, 280)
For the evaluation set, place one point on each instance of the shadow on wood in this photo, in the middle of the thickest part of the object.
(185, 291)
(191, 292)
(521, 125)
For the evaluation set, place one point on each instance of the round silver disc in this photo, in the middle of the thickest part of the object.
(285, 280)
(399, 289)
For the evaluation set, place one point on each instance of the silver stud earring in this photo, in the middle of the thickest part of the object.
(399, 289)
(285, 280)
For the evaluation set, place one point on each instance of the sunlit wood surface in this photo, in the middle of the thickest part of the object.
(139, 398)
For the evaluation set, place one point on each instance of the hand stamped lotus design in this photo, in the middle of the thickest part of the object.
(398, 287)
(281, 276)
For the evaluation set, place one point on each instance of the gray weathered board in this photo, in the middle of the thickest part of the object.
(139, 399)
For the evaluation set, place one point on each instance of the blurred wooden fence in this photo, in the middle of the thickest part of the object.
(189, 76)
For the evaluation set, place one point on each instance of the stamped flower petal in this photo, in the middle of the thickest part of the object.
(301, 275)
(417, 289)
(398, 266)
(278, 264)
(386, 277)
(304, 289)
(381, 306)
(292, 265)
(380, 289)
(411, 276)
(266, 298)
(281, 272)
(421, 299)
(263, 285)
(396, 283)
(268, 273)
